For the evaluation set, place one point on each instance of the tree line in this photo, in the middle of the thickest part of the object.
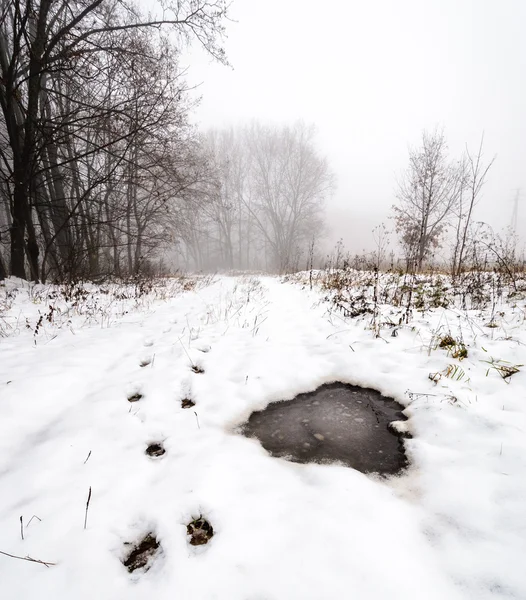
(266, 209)
(94, 138)
(101, 172)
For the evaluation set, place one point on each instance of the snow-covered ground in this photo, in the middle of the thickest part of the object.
(452, 527)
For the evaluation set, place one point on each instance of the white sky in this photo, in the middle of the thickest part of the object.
(371, 75)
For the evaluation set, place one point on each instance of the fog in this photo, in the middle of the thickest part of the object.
(168, 156)
(371, 76)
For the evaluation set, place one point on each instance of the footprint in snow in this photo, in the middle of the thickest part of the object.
(135, 397)
(155, 450)
(143, 553)
(200, 532)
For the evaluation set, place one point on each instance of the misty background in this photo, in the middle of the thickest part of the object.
(146, 138)
(371, 76)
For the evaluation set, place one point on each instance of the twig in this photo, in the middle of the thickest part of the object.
(197, 419)
(257, 325)
(33, 517)
(153, 360)
(28, 558)
(22, 522)
(337, 332)
(87, 506)
(191, 361)
(89, 454)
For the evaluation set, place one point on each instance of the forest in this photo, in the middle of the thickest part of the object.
(102, 173)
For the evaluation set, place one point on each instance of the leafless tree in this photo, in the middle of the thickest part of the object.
(264, 205)
(72, 126)
(225, 211)
(427, 195)
(290, 183)
(474, 173)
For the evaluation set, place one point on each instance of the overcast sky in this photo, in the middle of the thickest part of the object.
(371, 75)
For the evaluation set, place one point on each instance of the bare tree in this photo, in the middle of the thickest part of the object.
(265, 202)
(474, 173)
(63, 128)
(230, 221)
(291, 183)
(427, 195)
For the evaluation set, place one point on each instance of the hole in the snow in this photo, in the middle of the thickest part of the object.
(187, 403)
(135, 397)
(143, 554)
(197, 369)
(155, 450)
(200, 531)
(145, 362)
(335, 423)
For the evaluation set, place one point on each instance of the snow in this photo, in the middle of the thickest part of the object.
(453, 526)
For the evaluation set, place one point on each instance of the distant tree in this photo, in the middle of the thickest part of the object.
(474, 173)
(225, 211)
(290, 182)
(427, 195)
(264, 206)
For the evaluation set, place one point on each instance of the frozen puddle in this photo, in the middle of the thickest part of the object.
(336, 423)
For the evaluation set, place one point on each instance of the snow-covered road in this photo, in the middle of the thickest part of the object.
(453, 526)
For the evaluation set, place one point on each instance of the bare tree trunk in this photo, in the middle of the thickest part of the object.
(3, 270)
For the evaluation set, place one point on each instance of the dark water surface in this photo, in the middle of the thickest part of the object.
(335, 423)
